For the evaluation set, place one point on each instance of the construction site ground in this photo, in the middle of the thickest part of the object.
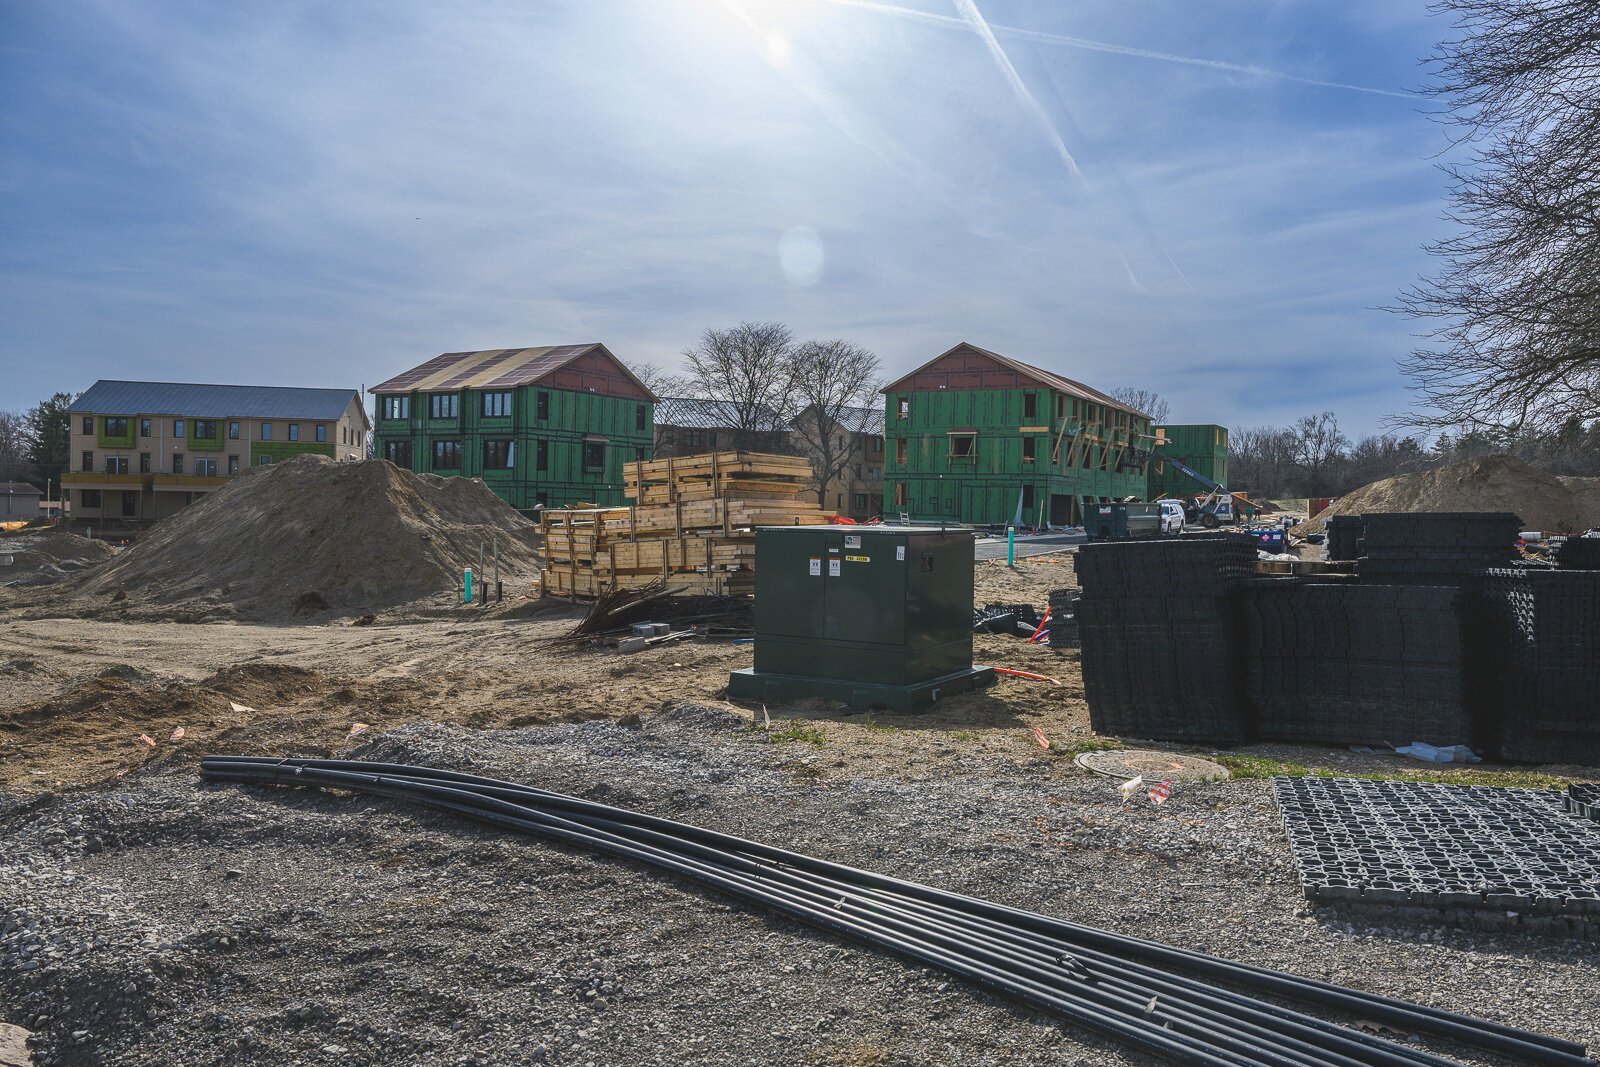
(148, 919)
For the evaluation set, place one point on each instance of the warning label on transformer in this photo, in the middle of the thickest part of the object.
(833, 568)
(816, 566)
(859, 559)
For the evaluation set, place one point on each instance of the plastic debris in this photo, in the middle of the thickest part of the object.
(1019, 674)
(356, 728)
(147, 739)
(239, 707)
(1432, 754)
(1040, 738)
(1161, 791)
(1131, 786)
(177, 734)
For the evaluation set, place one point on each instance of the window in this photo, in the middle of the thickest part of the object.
(638, 455)
(206, 468)
(541, 500)
(144, 463)
(397, 407)
(91, 497)
(398, 453)
(233, 431)
(497, 455)
(88, 461)
(963, 445)
(1030, 405)
(1061, 405)
(115, 426)
(594, 455)
(899, 494)
(264, 461)
(205, 429)
(541, 453)
(144, 427)
(903, 407)
(266, 431)
(177, 428)
(638, 416)
(544, 404)
(691, 439)
(233, 464)
(322, 433)
(496, 405)
(1027, 500)
(899, 449)
(294, 431)
(88, 425)
(875, 444)
(858, 501)
(116, 464)
(177, 463)
(447, 455)
(1029, 444)
(444, 405)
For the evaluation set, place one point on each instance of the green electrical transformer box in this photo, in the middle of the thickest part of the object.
(870, 615)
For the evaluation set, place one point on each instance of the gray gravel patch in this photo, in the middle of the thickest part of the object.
(161, 920)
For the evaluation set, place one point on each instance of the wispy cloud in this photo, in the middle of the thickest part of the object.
(1044, 37)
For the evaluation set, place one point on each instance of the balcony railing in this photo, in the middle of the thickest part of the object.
(101, 478)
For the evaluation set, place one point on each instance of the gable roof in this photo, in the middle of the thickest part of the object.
(20, 489)
(497, 368)
(856, 419)
(693, 413)
(110, 397)
(1045, 378)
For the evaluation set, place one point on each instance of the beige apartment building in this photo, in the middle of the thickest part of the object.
(142, 451)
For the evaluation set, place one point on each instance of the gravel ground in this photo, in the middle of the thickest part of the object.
(159, 920)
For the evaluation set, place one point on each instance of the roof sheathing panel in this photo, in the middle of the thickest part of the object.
(1023, 370)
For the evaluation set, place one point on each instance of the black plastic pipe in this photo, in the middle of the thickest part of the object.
(995, 918)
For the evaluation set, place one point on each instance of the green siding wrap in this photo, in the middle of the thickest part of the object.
(282, 450)
(571, 417)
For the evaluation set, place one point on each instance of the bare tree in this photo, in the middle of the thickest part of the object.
(1261, 459)
(748, 368)
(15, 465)
(835, 385)
(661, 381)
(1317, 446)
(1145, 400)
(1514, 310)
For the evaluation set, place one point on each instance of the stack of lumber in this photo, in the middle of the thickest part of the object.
(693, 525)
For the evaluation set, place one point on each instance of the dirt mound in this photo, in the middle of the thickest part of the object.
(44, 557)
(310, 537)
(1586, 495)
(1485, 483)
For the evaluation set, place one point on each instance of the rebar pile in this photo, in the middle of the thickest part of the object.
(1150, 996)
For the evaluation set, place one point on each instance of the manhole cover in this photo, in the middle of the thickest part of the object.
(1130, 762)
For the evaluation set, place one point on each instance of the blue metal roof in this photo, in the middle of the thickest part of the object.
(213, 401)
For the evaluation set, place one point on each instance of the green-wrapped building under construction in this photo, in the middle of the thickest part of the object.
(1202, 448)
(548, 426)
(976, 437)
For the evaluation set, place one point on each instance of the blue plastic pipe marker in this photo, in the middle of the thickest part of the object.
(466, 585)
(1011, 546)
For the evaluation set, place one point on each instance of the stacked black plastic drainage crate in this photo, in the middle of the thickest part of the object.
(1157, 629)
(1344, 537)
(1063, 627)
(1443, 548)
(1540, 631)
(1355, 664)
(1579, 554)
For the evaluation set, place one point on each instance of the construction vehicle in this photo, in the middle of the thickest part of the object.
(1212, 508)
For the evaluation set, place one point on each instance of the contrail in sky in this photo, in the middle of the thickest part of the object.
(1113, 49)
(974, 19)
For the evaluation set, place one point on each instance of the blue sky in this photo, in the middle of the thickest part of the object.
(1154, 194)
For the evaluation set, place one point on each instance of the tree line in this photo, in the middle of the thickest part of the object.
(34, 443)
(1313, 457)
